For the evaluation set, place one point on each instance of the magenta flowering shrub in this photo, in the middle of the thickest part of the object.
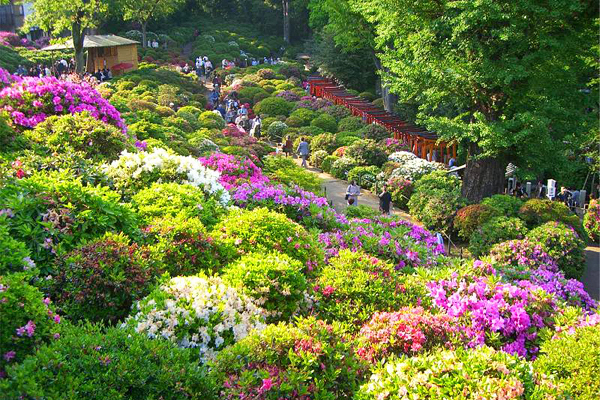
(233, 131)
(312, 103)
(400, 242)
(30, 101)
(308, 360)
(591, 221)
(288, 95)
(501, 315)
(234, 170)
(522, 253)
(408, 331)
(26, 319)
(304, 207)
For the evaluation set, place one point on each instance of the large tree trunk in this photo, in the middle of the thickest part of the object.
(389, 99)
(483, 177)
(78, 37)
(144, 27)
(286, 20)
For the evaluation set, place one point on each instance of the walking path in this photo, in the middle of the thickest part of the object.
(591, 277)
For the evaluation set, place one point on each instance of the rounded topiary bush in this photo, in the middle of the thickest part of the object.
(346, 138)
(325, 122)
(563, 244)
(573, 361)
(170, 199)
(366, 152)
(275, 281)
(469, 218)
(517, 254)
(496, 230)
(211, 120)
(328, 163)
(196, 312)
(263, 230)
(467, 374)
(374, 132)
(506, 205)
(591, 220)
(361, 211)
(89, 363)
(79, 132)
(350, 124)
(342, 166)
(276, 130)
(99, 281)
(337, 112)
(354, 285)
(537, 211)
(183, 247)
(365, 177)
(317, 158)
(304, 116)
(273, 106)
(309, 130)
(26, 318)
(309, 359)
(324, 141)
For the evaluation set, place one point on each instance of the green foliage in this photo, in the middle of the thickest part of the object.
(350, 124)
(317, 158)
(324, 141)
(328, 163)
(15, 255)
(144, 130)
(467, 374)
(346, 138)
(87, 362)
(99, 281)
(81, 133)
(496, 230)
(211, 120)
(325, 122)
(274, 280)
(263, 230)
(354, 285)
(182, 246)
(563, 244)
(304, 116)
(365, 177)
(23, 305)
(53, 214)
(401, 190)
(435, 200)
(274, 106)
(591, 220)
(469, 218)
(375, 132)
(573, 361)
(506, 205)
(286, 171)
(170, 199)
(309, 356)
(361, 211)
(366, 152)
(309, 130)
(342, 166)
(276, 130)
(537, 211)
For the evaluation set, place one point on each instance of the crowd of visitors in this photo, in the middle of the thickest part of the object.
(56, 69)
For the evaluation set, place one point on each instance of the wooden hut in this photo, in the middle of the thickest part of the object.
(116, 53)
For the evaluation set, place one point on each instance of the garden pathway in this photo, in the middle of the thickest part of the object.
(591, 277)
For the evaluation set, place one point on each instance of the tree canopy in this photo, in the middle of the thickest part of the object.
(143, 11)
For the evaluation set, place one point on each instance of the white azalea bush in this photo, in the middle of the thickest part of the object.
(197, 312)
(133, 172)
(412, 167)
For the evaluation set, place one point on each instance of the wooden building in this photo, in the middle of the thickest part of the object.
(116, 53)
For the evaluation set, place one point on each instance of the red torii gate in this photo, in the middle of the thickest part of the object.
(424, 144)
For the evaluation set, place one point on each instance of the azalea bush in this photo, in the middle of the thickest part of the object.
(563, 244)
(31, 100)
(53, 213)
(324, 141)
(506, 205)
(309, 359)
(365, 177)
(468, 374)
(342, 166)
(591, 220)
(317, 157)
(196, 312)
(469, 218)
(410, 330)
(284, 170)
(27, 320)
(99, 281)
(234, 170)
(135, 171)
(171, 199)
(411, 167)
(375, 132)
(264, 230)
(401, 190)
(275, 281)
(496, 230)
(325, 122)
(275, 131)
(181, 246)
(273, 106)
(539, 211)
(15, 256)
(366, 152)
(88, 362)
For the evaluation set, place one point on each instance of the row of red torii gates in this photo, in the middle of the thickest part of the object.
(423, 143)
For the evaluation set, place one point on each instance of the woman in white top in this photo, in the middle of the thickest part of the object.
(352, 194)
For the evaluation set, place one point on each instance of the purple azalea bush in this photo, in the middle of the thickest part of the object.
(234, 170)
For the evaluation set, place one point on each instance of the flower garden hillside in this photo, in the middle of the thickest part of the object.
(156, 251)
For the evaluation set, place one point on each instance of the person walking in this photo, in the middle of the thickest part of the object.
(385, 201)
(303, 151)
(288, 146)
(352, 193)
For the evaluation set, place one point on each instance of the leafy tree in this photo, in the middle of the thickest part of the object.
(76, 16)
(502, 77)
(143, 11)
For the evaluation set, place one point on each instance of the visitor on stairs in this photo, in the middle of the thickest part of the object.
(352, 193)
(385, 201)
(303, 151)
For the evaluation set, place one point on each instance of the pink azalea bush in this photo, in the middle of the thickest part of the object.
(31, 100)
(234, 170)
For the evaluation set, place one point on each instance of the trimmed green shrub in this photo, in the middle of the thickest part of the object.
(562, 243)
(291, 362)
(350, 124)
(366, 152)
(99, 281)
(346, 138)
(375, 132)
(273, 106)
(14, 256)
(469, 218)
(304, 116)
(328, 163)
(324, 141)
(275, 131)
(274, 280)
(325, 122)
(342, 166)
(507, 206)
(401, 190)
(365, 177)
(573, 362)
(26, 318)
(89, 363)
(538, 211)
(361, 211)
(337, 112)
(309, 130)
(292, 174)
(211, 120)
(496, 230)
(317, 157)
